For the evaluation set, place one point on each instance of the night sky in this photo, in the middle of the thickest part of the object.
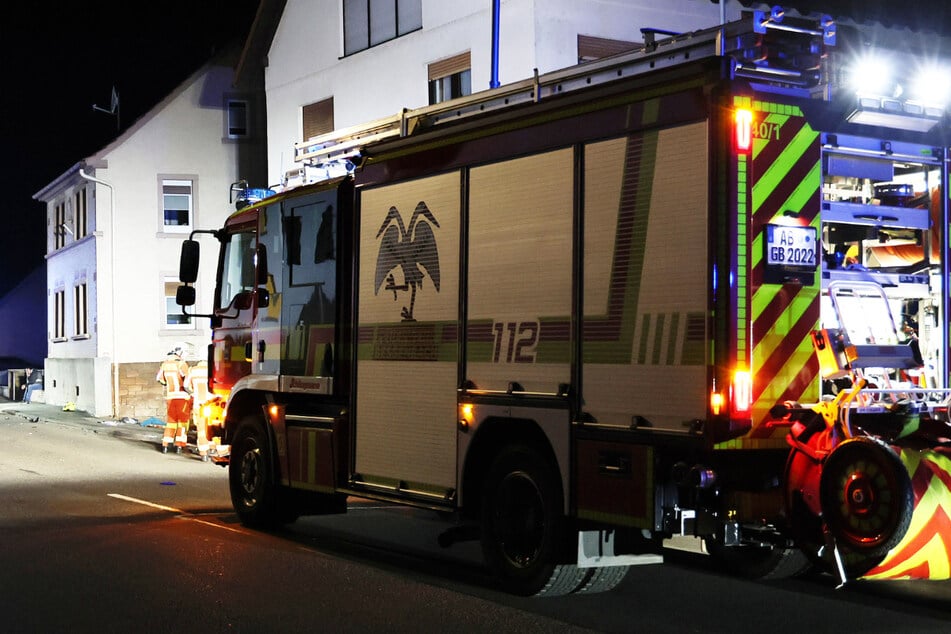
(57, 60)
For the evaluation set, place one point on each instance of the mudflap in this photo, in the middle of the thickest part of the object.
(925, 550)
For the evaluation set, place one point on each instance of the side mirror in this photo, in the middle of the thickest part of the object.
(264, 297)
(242, 301)
(188, 263)
(185, 296)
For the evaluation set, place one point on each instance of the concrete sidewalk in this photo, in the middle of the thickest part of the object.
(42, 412)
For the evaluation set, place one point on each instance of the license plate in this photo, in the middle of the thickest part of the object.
(791, 246)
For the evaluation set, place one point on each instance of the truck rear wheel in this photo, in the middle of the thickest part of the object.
(523, 525)
(866, 497)
(254, 492)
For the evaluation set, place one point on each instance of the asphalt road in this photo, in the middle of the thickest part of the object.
(101, 532)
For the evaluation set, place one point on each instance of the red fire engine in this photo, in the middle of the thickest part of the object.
(696, 289)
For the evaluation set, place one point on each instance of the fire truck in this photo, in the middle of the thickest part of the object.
(698, 289)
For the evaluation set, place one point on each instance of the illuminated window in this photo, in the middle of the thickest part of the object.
(59, 316)
(80, 311)
(177, 205)
(237, 119)
(367, 23)
(174, 318)
(450, 78)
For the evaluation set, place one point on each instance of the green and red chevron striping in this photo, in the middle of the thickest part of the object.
(784, 187)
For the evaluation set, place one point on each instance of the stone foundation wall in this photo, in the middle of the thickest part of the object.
(140, 395)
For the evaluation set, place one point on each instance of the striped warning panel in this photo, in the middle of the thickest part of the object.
(925, 550)
(783, 181)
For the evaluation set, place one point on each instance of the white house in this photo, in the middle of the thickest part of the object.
(115, 223)
(336, 63)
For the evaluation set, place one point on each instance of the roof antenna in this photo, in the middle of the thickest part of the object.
(113, 107)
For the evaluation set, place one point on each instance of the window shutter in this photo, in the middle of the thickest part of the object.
(318, 118)
(591, 48)
(450, 66)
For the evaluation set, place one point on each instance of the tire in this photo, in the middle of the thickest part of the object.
(603, 579)
(254, 492)
(523, 525)
(760, 562)
(866, 497)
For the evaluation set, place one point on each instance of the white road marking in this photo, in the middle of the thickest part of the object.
(185, 515)
(192, 518)
(119, 496)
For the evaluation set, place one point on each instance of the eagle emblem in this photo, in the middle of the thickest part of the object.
(410, 248)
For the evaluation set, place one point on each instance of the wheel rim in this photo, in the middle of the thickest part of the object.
(864, 496)
(520, 519)
(866, 509)
(251, 474)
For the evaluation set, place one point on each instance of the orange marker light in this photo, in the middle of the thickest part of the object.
(716, 402)
(743, 122)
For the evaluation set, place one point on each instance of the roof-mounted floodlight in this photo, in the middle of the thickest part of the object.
(931, 85)
(894, 113)
(871, 75)
(882, 99)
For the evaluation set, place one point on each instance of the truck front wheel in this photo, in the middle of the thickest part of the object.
(523, 525)
(254, 493)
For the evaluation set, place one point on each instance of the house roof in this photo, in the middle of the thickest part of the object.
(225, 58)
(258, 42)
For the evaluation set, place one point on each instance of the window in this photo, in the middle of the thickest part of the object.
(81, 229)
(237, 119)
(59, 226)
(80, 311)
(59, 316)
(177, 205)
(309, 276)
(317, 118)
(237, 268)
(173, 312)
(450, 78)
(591, 48)
(367, 23)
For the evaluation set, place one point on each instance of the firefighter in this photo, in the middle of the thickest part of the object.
(172, 375)
(196, 383)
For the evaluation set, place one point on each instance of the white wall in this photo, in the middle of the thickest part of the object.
(181, 139)
(74, 264)
(184, 136)
(306, 63)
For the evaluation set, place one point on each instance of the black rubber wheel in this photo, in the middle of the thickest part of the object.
(603, 579)
(761, 562)
(523, 525)
(866, 497)
(254, 492)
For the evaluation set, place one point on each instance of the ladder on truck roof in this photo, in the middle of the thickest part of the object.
(742, 41)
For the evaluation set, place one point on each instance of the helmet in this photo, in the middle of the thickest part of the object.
(178, 350)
